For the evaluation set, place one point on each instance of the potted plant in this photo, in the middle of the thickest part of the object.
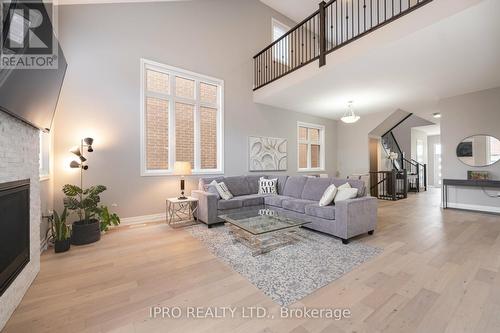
(61, 233)
(93, 219)
(107, 219)
(85, 203)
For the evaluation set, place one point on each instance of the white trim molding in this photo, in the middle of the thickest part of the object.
(478, 208)
(143, 219)
(172, 99)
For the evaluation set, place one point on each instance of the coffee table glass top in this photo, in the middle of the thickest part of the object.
(261, 220)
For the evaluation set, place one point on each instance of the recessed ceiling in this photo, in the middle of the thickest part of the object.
(453, 56)
(297, 10)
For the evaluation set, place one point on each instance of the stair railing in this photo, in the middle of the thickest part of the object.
(334, 25)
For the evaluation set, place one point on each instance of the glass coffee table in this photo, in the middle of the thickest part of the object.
(262, 229)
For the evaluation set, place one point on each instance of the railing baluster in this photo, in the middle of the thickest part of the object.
(323, 32)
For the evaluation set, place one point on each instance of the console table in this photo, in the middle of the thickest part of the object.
(466, 183)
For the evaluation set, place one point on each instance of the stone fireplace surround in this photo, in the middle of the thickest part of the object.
(19, 158)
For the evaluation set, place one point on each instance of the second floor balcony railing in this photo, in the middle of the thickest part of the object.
(333, 25)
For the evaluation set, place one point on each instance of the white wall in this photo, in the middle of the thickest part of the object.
(19, 147)
(463, 116)
(415, 136)
(431, 144)
(353, 144)
(100, 97)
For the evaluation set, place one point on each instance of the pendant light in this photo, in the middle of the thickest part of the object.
(349, 116)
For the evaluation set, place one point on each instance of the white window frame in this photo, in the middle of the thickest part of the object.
(172, 72)
(44, 156)
(322, 148)
(286, 28)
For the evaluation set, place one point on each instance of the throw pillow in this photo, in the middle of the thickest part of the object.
(344, 186)
(224, 191)
(328, 195)
(346, 193)
(268, 186)
(212, 188)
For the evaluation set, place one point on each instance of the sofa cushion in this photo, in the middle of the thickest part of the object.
(252, 199)
(237, 185)
(253, 183)
(275, 200)
(229, 204)
(297, 205)
(314, 188)
(294, 186)
(355, 183)
(281, 183)
(323, 212)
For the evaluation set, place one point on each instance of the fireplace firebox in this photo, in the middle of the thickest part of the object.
(14, 230)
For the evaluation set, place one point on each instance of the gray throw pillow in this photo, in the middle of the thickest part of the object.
(212, 188)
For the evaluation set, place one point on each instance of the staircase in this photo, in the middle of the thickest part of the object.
(407, 175)
(335, 24)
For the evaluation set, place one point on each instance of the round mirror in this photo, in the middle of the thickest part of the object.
(479, 150)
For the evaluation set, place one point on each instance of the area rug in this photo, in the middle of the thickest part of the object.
(292, 272)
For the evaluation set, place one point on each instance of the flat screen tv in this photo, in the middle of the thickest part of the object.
(30, 94)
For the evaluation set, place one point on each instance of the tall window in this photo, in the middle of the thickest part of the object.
(281, 50)
(311, 147)
(182, 120)
(44, 157)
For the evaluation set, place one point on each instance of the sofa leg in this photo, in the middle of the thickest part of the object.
(345, 241)
(209, 226)
(371, 232)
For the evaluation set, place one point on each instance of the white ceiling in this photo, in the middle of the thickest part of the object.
(78, 2)
(450, 57)
(297, 10)
(430, 129)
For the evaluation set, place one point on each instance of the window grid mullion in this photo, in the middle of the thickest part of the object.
(197, 121)
(171, 125)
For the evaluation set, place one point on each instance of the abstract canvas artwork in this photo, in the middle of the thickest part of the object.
(267, 154)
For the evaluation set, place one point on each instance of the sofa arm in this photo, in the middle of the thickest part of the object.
(355, 216)
(207, 206)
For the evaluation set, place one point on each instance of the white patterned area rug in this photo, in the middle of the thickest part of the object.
(292, 272)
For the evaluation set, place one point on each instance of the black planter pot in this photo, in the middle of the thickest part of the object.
(85, 233)
(62, 245)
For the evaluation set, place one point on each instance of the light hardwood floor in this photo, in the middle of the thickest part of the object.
(439, 272)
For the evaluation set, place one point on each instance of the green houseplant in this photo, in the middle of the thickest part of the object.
(61, 233)
(107, 219)
(93, 219)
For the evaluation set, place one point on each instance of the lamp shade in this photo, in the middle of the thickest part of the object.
(76, 151)
(182, 168)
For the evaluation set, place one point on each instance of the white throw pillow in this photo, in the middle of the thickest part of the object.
(328, 195)
(212, 188)
(224, 191)
(268, 186)
(346, 193)
(344, 186)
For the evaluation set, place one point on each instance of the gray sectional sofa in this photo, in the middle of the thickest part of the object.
(298, 197)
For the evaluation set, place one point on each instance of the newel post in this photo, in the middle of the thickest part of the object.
(322, 34)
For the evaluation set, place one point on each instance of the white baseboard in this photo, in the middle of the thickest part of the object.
(489, 209)
(143, 219)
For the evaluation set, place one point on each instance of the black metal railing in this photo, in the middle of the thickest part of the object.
(333, 25)
(389, 185)
(417, 175)
(390, 144)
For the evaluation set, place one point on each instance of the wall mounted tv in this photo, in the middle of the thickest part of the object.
(30, 93)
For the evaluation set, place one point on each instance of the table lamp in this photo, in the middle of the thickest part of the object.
(182, 169)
